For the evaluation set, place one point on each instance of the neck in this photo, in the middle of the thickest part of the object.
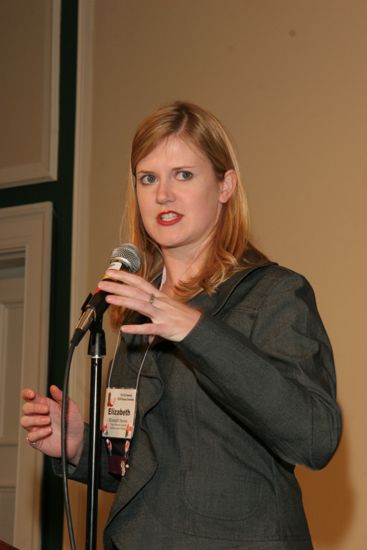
(180, 267)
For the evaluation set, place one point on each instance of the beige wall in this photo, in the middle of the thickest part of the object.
(289, 79)
(29, 62)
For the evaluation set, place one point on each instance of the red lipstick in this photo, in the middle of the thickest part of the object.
(169, 217)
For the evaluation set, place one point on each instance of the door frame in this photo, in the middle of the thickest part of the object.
(28, 228)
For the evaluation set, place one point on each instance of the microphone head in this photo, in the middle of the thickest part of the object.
(129, 256)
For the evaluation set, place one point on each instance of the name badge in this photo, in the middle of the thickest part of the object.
(119, 413)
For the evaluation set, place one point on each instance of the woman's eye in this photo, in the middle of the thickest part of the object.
(184, 175)
(148, 179)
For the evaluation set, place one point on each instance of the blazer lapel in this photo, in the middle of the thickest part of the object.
(133, 353)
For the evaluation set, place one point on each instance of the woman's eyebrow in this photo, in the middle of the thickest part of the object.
(144, 171)
(182, 167)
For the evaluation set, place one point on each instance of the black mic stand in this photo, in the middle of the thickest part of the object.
(96, 350)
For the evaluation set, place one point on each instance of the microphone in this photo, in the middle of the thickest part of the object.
(126, 257)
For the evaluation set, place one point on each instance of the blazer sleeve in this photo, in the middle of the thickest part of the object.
(279, 380)
(107, 481)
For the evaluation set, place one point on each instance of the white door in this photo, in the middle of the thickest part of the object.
(25, 259)
(11, 337)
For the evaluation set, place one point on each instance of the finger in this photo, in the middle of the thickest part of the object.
(143, 291)
(32, 408)
(147, 329)
(32, 397)
(27, 394)
(29, 422)
(119, 289)
(38, 434)
(133, 280)
(31, 443)
(141, 306)
(56, 393)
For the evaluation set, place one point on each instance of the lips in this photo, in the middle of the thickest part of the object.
(169, 217)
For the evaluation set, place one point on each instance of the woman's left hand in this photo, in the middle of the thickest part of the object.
(170, 318)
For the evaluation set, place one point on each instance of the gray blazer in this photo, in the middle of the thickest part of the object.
(223, 417)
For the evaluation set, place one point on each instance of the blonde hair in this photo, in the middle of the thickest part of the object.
(230, 249)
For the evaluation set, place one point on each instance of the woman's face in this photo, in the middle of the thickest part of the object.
(179, 195)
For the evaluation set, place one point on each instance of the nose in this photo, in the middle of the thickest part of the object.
(164, 191)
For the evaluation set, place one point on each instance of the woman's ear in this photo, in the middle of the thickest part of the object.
(227, 186)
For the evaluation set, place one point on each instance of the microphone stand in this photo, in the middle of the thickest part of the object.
(96, 350)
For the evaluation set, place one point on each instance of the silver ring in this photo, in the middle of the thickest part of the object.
(32, 443)
(151, 299)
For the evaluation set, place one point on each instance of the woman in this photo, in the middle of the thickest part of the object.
(233, 367)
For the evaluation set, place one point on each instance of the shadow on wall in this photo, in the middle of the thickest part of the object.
(328, 498)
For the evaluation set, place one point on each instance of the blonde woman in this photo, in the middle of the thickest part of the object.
(232, 367)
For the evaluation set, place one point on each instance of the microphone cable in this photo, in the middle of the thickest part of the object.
(63, 446)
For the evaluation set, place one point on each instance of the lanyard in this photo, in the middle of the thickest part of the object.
(119, 418)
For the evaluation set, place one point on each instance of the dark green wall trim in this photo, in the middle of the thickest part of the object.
(52, 501)
(60, 193)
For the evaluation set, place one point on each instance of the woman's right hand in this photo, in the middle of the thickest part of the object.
(42, 420)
